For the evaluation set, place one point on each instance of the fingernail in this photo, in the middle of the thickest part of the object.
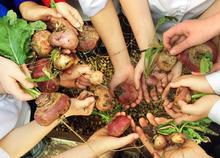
(77, 25)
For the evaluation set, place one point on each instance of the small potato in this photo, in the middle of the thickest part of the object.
(178, 138)
(40, 43)
(165, 61)
(160, 142)
(96, 78)
(66, 39)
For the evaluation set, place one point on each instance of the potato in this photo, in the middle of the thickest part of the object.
(178, 138)
(40, 43)
(118, 125)
(66, 39)
(47, 86)
(166, 61)
(160, 142)
(127, 93)
(50, 106)
(104, 101)
(191, 57)
(96, 78)
(182, 93)
(88, 39)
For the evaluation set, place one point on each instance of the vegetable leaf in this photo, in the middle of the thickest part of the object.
(164, 19)
(206, 63)
(53, 4)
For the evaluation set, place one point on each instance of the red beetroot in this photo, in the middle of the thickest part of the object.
(50, 106)
(47, 86)
(191, 57)
(118, 125)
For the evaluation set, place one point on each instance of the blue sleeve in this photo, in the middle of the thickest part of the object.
(18, 2)
(3, 10)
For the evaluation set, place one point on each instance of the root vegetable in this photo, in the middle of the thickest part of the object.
(50, 106)
(118, 125)
(152, 80)
(160, 142)
(66, 39)
(104, 101)
(96, 78)
(127, 93)
(38, 71)
(87, 39)
(40, 43)
(166, 61)
(191, 57)
(63, 61)
(178, 138)
(182, 93)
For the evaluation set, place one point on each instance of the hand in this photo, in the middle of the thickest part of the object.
(188, 150)
(83, 105)
(71, 14)
(11, 77)
(77, 76)
(32, 12)
(187, 34)
(124, 75)
(100, 142)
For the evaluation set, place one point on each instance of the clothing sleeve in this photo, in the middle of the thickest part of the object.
(3, 154)
(3, 10)
(18, 2)
(214, 81)
(92, 7)
(47, 2)
(214, 113)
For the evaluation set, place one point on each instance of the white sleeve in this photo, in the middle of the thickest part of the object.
(214, 81)
(92, 7)
(214, 113)
(3, 154)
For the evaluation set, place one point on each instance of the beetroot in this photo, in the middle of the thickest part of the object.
(118, 125)
(40, 43)
(88, 39)
(127, 93)
(50, 106)
(191, 57)
(38, 71)
(182, 93)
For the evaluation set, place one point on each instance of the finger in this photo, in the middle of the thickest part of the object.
(182, 118)
(156, 155)
(21, 78)
(151, 119)
(162, 120)
(83, 80)
(159, 87)
(166, 92)
(145, 90)
(82, 103)
(138, 73)
(172, 113)
(122, 141)
(153, 94)
(80, 86)
(67, 83)
(133, 125)
(143, 122)
(188, 108)
(46, 13)
(77, 17)
(180, 47)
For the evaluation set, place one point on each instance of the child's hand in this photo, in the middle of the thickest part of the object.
(11, 76)
(83, 105)
(76, 76)
(196, 83)
(71, 14)
(32, 11)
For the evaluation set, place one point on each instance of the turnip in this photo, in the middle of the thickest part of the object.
(166, 61)
(96, 78)
(160, 142)
(40, 43)
(88, 39)
(178, 138)
(118, 125)
(50, 106)
(191, 57)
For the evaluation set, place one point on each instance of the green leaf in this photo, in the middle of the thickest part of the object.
(206, 63)
(197, 96)
(12, 16)
(38, 25)
(165, 19)
(53, 4)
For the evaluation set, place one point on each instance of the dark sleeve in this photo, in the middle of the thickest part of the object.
(3, 10)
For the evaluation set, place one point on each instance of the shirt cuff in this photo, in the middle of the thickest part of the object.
(214, 81)
(214, 113)
(3, 154)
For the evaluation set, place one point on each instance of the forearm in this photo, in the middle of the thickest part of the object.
(25, 6)
(107, 24)
(21, 140)
(139, 17)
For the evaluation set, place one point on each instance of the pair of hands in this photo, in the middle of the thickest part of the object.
(33, 12)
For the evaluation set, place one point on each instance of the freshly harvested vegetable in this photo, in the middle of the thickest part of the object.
(104, 101)
(41, 68)
(96, 78)
(178, 138)
(166, 61)
(40, 43)
(118, 125)
(182, 93)
(160, 142)
(192, 57)
(126, 93)
(65, 38)
(63, 61)
(50, 106)
(88, 39)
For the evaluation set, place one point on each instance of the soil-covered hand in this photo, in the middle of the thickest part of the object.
(188, 150)
(11, 77)
(76, 76)
(32, 12)
(83, 105)
(70, 13)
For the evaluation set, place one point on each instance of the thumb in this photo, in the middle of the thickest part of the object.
(180, 47)
(188, 108)
(47, 13)
(84, 103)
(122, 141)
(21, 78)
(137, 77)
